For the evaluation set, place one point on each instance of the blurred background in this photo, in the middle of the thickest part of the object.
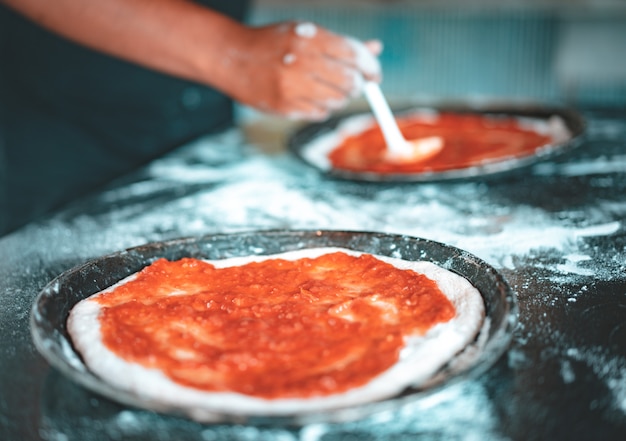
(570, 52)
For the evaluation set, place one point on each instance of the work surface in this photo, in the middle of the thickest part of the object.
(557, 232)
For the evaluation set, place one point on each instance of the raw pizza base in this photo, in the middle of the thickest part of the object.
(421, 358)
(317, 151)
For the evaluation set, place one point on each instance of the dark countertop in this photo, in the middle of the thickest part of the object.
(557, 232)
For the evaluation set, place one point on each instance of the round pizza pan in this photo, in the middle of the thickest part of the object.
(303, 138)
(53, 304)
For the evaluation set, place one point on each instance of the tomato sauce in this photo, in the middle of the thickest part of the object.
(272, 329)
(469, 140)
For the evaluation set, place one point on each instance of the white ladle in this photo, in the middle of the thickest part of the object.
(398, 148)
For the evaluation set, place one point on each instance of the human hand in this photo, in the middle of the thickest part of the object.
(300, 70)
(293, 69)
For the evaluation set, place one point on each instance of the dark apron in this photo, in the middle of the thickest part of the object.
(73, 119)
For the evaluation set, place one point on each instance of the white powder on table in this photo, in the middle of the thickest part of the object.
(221, 184)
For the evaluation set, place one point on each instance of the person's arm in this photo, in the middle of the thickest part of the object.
(291, 69)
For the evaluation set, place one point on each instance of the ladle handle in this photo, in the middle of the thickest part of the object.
(395, 141)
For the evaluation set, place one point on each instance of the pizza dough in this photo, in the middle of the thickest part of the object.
(420, 358)
(469, 140)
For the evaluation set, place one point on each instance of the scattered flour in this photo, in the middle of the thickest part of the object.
(305, 30)
(235, 189)
(365, 60)
(614, 164)
(608, 368)
(465, 408)
(491, 231)
(221, 184)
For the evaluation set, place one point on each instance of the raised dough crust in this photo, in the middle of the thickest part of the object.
(419, 360)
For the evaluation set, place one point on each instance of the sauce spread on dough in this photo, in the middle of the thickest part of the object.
(272, 329)
(468, 140)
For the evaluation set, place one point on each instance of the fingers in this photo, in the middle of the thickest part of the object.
(311, 97)
(366, 63)
(374, 46)
(331, 72)
(303, 71)
(357, 55)
(338, 66)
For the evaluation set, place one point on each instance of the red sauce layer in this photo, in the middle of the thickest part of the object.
(273, 329)
(469, 140)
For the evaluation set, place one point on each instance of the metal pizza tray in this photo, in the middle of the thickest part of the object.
(53, 304)
(302, 139)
